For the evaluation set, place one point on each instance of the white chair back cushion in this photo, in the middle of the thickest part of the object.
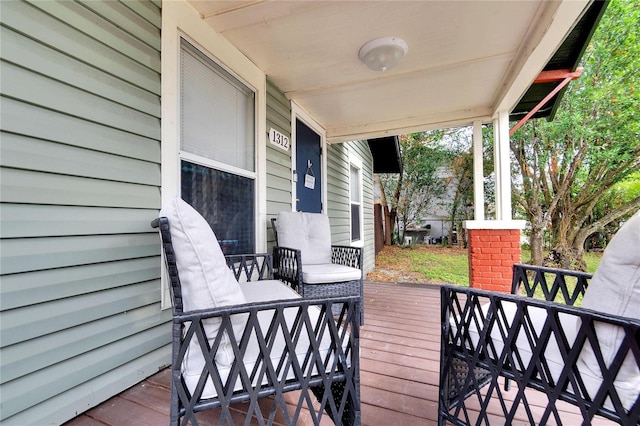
(308, 232)
(615, 289)
(205, 279)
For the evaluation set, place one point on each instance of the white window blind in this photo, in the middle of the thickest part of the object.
(217, 112)
(356, 211)
(355, 185)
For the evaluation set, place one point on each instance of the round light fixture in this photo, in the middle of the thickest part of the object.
(383, 53)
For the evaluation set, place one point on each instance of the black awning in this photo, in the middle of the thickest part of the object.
(567, 57)
(386, 154)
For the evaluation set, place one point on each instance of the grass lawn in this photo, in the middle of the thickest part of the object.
(435, 264)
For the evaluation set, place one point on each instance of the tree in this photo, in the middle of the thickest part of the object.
(615, 198)
(569, 164)
(421, 183)
(460, 166)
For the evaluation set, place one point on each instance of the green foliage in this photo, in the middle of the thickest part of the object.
(421, 183)
(592, 259)
(572, 167)
(444, 268)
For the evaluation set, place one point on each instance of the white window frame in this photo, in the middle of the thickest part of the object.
(180, 20)
(356, 162)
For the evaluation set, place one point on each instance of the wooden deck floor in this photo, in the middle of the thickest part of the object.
(399, 367)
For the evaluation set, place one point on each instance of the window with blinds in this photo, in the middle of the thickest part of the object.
(217, 149)
(355, 184)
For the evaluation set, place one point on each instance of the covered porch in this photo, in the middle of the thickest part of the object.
(400, 352)
(93, 87)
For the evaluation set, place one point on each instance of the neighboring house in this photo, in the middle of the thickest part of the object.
(107, 111)
(438, 217)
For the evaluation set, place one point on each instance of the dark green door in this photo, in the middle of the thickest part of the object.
(308, 169)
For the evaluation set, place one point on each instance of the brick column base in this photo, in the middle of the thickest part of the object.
(492, 253)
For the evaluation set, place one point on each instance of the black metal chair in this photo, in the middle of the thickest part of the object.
(340, 275)
(284, 345)
(534, 345)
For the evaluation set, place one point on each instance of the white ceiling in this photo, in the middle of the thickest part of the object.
(466, 60)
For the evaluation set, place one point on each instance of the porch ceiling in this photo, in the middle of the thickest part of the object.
(467, 60)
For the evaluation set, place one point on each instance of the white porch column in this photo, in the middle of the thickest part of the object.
(478, 172)
(502, 166)
(494, 245)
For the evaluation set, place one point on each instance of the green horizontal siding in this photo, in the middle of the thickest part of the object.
(32, 55)
(63, 36)
(19, 83)
(338, 196)
(278, 160)
(27, 153)
(80, 180)
(23, 186)
(19, 118)
(37, 220)
(38, 287)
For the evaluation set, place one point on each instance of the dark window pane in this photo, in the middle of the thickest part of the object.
(355, 222)
(226, 201)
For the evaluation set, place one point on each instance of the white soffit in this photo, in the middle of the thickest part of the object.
(466, 60)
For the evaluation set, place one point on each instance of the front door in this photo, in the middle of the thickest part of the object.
(308, 169)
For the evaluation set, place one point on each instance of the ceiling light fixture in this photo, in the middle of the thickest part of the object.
(384, 53)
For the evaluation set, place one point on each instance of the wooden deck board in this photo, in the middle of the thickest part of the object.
(399, 353)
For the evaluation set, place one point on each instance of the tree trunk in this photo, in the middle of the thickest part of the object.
(536, 242)
(599, 226)
(393, 213)
(388, 219)
(388, 226)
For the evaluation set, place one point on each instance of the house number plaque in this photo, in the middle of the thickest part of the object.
(278, 139)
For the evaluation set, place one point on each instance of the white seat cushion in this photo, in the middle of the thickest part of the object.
(615, 289)
(261, 291)
(308, 232)
(205, 279)
(329, 273)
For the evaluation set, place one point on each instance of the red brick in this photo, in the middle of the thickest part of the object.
(491, 250)
(492, 253)
(511, 250)
(482, 243)
(511, 237)
(476, 261)
(501, 269)
(490, 238)
(500, 256)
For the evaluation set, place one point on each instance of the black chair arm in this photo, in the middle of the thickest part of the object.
(550, 284)
(347, 256)
(287, 265)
